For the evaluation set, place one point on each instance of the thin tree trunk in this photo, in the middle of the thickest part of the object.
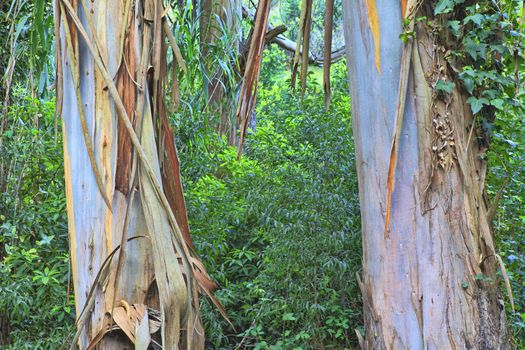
(429, 280)
(129, 236)
(327, 53)
(219, 17)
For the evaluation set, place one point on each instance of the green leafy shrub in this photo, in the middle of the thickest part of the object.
(507, 175)
(279, 229)
(33, 229)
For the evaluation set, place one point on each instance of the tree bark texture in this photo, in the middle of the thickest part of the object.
(131, 255)
(429, 282)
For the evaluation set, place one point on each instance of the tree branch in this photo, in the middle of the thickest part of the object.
(274, 35)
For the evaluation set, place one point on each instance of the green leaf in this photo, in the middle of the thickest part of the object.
(477, 18)
(469, 84)
(474, 49)
(445, 86)
(454, 27)
(289, 317)
(476, 104)
(498, 103)
(444, 6)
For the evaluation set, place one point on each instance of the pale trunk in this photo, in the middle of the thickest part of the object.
(430, 282)
(150, 239)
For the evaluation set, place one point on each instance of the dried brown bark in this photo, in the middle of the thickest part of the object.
(248, 93)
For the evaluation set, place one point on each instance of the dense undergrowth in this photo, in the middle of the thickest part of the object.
(34, 305)
(278, 230)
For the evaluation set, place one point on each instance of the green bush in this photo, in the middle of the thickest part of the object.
(33, 229)
(279, 229)
(507, 174)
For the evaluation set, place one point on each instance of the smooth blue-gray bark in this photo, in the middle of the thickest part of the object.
(420, 289)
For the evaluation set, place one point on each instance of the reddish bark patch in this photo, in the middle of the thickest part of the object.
(126, 90)
(170, 169)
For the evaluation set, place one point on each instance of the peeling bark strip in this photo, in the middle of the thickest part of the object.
(171, 175)
(122, 128)
(421, 285)
(300, 35)
(126, 89)
(400, 111)
(248, 92)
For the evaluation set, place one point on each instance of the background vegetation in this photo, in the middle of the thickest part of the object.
(279, 229)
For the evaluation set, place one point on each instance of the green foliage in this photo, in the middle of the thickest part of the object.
(207, 62)
(27, 45)
(506, 161)
(491, 46)
(446, 6)
(33, 231)
(279, 229)
(445, 86)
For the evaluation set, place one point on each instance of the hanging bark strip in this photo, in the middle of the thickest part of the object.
(306, 45)
(248, 94)
(400, 110)
(302, 24)
(108, 101)
(177, 61)
(125, 81)
(327, 57)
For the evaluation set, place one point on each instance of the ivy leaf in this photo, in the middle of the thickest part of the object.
(475, 50)
(469, 84)
(454, 27)
(477, 103)
(498, 103)
(444, 6)
(490, 94)
(477, 18)
(446, 86)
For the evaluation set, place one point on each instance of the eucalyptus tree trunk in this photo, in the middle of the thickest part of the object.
(218, 18)
(135, 276)
(429, 265)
